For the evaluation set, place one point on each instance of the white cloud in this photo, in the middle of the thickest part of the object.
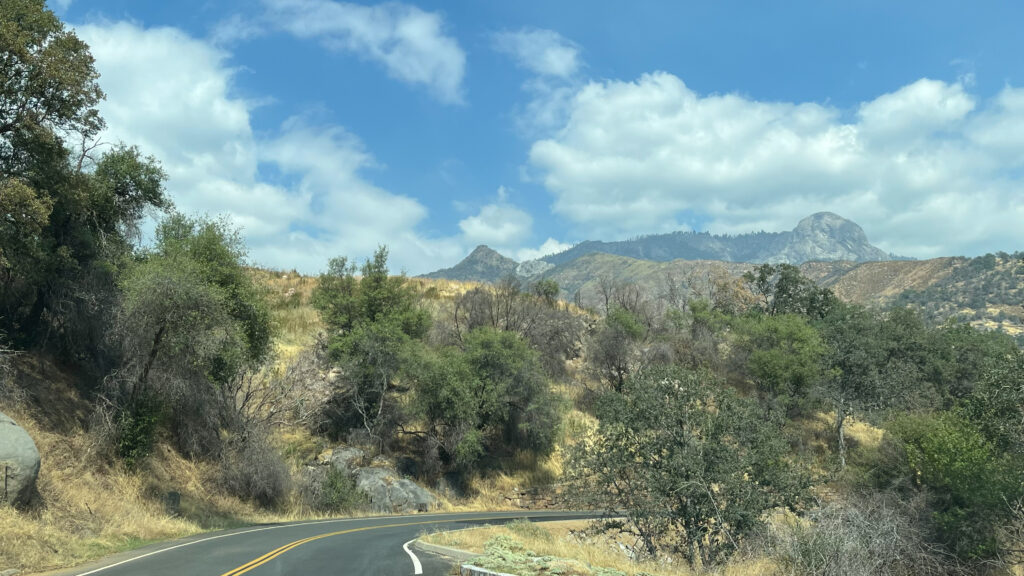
(550, 246)
(409, 42)
(554, 62)
(542, 52)
(171, 95)
(501, 226)
(63, 5)
(925, 169)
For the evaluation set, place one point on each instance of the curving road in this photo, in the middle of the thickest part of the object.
(357, 546)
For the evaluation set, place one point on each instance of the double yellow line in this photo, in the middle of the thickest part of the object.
(275, 553)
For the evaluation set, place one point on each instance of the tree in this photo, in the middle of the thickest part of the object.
(853, 381)
(782, 289)
(690, 465)
(68, 225)
(189, 321)
(782, 354)
(614, 352)
(372, 321)
(490, 399)
(49, 84)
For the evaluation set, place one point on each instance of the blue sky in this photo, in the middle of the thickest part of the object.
(326, 128)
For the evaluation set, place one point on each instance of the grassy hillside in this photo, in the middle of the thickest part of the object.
(987, 291)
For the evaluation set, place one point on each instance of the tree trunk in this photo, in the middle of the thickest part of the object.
(841, 434)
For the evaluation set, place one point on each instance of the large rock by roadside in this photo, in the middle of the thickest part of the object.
(19, 463)
(346, 459)
(389, 493)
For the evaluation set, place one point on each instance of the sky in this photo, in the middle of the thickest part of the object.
(324, 128)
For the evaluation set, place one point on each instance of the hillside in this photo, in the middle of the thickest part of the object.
(987, 291)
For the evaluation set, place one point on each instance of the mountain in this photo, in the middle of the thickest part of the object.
(482, 265)
(820, 237)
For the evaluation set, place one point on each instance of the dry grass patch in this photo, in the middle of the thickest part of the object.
(592, 555)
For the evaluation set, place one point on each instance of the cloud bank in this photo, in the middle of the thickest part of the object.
(927, 169)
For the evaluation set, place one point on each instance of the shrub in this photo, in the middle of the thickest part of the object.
(252, 470)
(866, 535)
(966, 480)
(329, 490)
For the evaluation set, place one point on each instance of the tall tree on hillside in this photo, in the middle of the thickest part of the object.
(372, 320)
(68, 221)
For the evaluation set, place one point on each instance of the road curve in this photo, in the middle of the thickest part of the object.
(356, 546)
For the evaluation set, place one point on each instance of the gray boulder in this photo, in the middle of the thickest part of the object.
(19, 463)
(389, 493)
(346, 459)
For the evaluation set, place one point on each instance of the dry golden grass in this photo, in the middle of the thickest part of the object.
(564, 540)
(89, 509)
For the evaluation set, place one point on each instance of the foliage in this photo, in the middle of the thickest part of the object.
(49, 82)
(870, 535)
(691, 465)
(372, 323)
(332, 491)
(782, 289)
(782, 354)
(489, 399)
(69, 224)
(190, 320)
(553, 332)
(968, 481)
(614, 352)
(252, 470)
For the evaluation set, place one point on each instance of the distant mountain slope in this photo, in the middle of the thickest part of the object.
(987, 291)
(482, 265)
(821, 236)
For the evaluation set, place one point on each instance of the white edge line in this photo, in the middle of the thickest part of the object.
(417, 567)
(134, 558)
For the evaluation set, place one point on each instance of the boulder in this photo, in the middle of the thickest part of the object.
(346, 459)
(19, 463)
(388, 493)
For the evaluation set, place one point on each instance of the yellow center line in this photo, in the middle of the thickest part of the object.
(256, 563)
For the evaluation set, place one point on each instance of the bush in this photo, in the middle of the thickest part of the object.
(966, 480)
(252, 470)
(329, 490)
(869, 535)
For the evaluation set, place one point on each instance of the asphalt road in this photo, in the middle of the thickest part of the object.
(357, 546)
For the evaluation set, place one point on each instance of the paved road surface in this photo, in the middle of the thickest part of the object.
(356, 546)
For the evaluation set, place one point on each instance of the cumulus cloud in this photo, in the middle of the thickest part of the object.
(542, 52)
(927, 169)
(550, 246)
(171, 95)
(500, 225)
(409, 42)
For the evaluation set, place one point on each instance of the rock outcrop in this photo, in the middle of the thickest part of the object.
(389, 493)
(827, 237)
(384, 488)
(19, 463)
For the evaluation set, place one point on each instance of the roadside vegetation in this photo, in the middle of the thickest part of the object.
(738, 425)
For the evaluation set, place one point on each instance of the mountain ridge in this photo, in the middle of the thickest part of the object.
(823, 236)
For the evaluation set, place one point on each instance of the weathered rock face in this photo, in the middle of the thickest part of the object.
(389, 493)
(346, 459)
(386, 490)
(826, 236)
(19, 463)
